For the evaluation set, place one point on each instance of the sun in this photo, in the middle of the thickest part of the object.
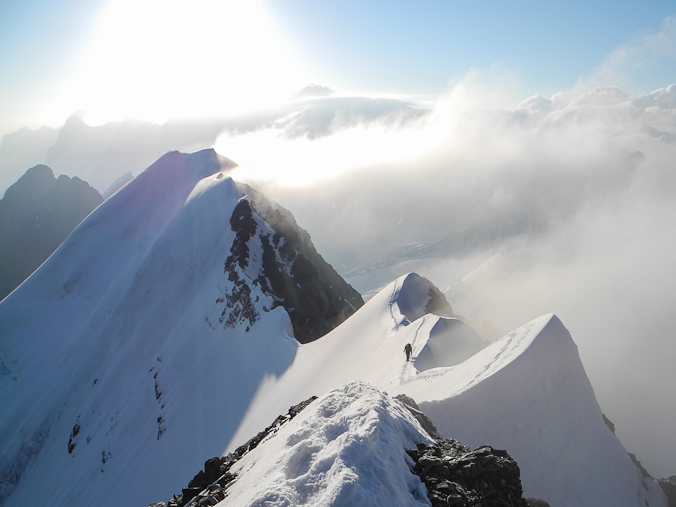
(160, 59)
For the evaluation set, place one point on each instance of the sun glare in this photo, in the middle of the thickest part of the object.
(303, 161)
(157, 59)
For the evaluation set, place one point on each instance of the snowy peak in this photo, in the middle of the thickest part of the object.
(528, 392)
(149, 330)
(415, 296)
(36, 214)
(449, 342)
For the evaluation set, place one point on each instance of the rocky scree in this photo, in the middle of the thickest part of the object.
(210, 485)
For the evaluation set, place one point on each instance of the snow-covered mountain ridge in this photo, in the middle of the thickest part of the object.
(330, 454)
(161, 333)
(137, 331)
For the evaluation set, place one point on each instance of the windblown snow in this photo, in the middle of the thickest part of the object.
(125, 362)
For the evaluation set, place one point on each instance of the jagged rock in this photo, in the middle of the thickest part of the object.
(536, 502)
(314, 295)
(457, 476)
(424, 421)
(669, 488)
(609, 423)
(644, 472)
(209, 486)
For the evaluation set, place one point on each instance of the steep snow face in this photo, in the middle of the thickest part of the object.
(137, 347)
(347, 448)
(450, 342)
(414, 296)
(528, 393)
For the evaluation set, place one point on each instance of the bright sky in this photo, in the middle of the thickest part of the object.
(155, 59)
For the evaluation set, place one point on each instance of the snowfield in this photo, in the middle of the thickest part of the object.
(120, 375)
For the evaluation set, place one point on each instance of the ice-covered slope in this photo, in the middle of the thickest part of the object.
(137, 347)
(527, 393)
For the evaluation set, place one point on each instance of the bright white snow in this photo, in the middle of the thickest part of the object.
(119, 381)
(346, 449)
(526, 393)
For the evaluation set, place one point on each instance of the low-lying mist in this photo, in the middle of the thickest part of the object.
(563, 204)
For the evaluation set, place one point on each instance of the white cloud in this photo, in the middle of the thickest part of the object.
(624, 64)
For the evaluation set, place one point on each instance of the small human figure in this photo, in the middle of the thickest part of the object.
(408, 350)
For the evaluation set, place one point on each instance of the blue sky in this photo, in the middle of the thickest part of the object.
(376, 47)
(405, 47)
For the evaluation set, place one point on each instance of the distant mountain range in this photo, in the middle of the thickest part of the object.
(36, 214)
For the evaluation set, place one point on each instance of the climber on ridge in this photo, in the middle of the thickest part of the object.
(408, 350)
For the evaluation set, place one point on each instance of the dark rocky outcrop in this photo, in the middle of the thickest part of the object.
(210, 485)
(314, 295)
(454, 474)
(36, 214)
(644, 472)
(609, 423)
(457, 476)
(669, 488)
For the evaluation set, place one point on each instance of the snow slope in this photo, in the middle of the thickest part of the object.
(346, 449)
(148, 342)
(124, 360)
(526, 393)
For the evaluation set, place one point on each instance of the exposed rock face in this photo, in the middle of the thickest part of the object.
(669, 488)
(36, 214)
(314, 295)
(210, 485)
(457, 476)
